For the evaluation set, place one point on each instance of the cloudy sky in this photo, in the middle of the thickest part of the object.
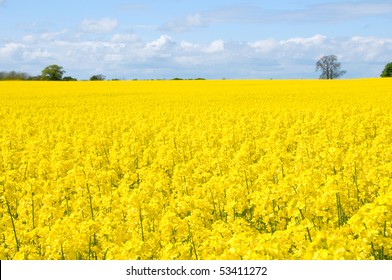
(195, 38)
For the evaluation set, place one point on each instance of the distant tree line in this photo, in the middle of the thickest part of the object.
(98, 78)
(56, 73)
(190, 79)
(13, 75)
(50, 73)
(328, 65)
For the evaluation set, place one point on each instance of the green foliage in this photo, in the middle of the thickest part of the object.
(97, 78)
(13, 75)
(189, 79)
(387, 71)
(52, 73)
(35, 78)
(69, 79)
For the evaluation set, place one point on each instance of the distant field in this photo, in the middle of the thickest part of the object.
(196, 170)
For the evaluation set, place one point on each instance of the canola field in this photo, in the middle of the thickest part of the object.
(196, 170)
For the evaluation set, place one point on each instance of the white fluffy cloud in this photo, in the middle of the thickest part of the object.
(164, 42)
(125, 38)
(216, 46)
(293, 47)
(104, 25)
(11, 51)
(128, 56)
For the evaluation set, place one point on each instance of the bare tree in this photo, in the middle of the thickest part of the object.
(330, 67)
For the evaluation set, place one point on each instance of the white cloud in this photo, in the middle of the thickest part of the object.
(125, 38)
(36, 54)
(296, 47)
(315, 40)
(126, 55)
(113, 58)
(162, 43)
(264, 46)
(29, 39)
(188, 46)
(186, 60)
(50, 36)
(215, 46)
(370, 49)
(184, 24)
(105, 25)
(9, 50)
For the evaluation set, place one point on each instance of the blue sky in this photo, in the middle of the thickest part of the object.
(212, 39)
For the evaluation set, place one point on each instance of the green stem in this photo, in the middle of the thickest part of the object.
(91, 202)
(192, 242)
(141, 222)
(13, 224)
(62, 252)
(32, 206)
(310, 237)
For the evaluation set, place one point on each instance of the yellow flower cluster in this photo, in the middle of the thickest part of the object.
(196, 170)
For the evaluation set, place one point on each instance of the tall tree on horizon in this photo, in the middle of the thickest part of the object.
(330, 67)
(52, 73)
